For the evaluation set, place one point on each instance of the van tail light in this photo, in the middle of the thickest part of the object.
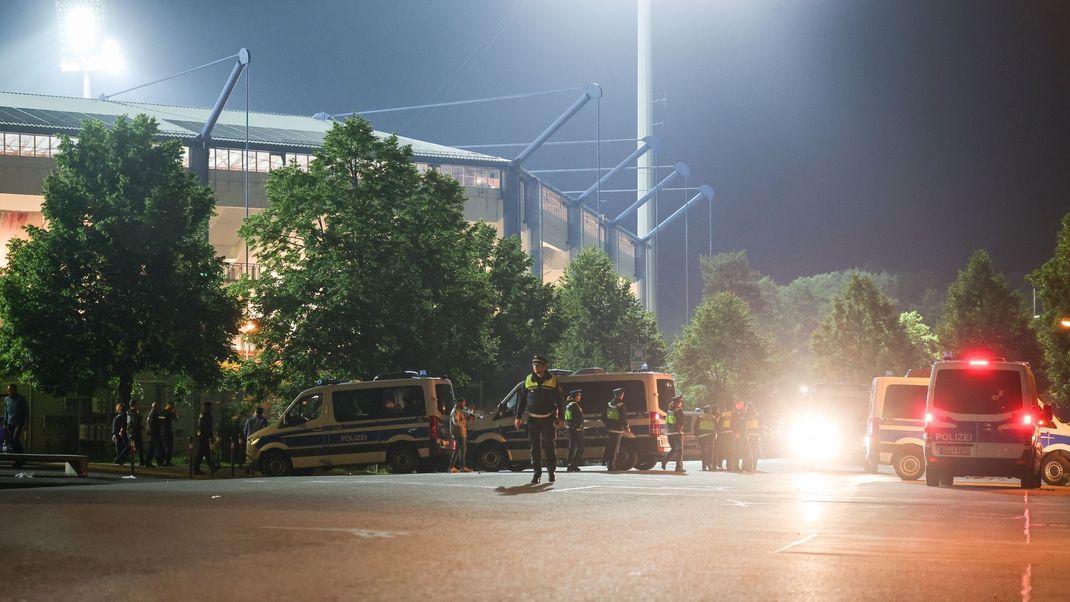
(656, 425)
(1027, 419)
(928, 418)
(435, 425)
(978, 363)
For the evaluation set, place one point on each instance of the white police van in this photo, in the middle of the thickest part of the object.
(894, 434)
(1055, 439)
(398, 419)
(497, 444)
(982, 418)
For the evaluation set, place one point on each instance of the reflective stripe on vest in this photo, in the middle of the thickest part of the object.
(569, 411)
(612, 413)
(549, 383)
(670, 419)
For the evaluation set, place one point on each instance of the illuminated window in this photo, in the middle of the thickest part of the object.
(470, 177)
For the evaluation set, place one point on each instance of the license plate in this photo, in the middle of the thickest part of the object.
(949, 450)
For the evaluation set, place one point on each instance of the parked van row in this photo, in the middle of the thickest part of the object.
(400, 420)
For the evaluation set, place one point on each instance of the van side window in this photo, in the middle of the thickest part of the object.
(400, 402)
(306, 409)
(666, 391)
(596, 396)
(510, 403)
(904, 402)
(347, 407)
(444, 395)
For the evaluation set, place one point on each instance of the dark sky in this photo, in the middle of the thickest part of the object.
(894, 136)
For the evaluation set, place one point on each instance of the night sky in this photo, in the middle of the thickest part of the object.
(895, 136)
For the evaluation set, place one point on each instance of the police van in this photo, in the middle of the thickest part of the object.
(1055, 439)
(894, 434)
(497, 444)
(398, 419)
(982, 418)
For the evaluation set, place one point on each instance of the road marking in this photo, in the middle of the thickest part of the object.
(1027, 583)
(362, 533)
(1025, 515)
(812, 535)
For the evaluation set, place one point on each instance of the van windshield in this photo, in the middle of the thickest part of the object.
(977, 391)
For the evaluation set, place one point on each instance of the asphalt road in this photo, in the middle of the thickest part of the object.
(782, 534)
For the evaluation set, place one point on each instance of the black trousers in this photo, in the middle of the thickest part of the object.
(706, 443)
(612, 449)
(575, 447)
(676, 450)
(15, 432)
(203, 452)
(139, 449)
(122, 449)
(167, 441)
(541, 434)
(738, 452)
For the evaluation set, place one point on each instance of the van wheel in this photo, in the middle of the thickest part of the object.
(626, 457)
(909, 465)
(1055, 469)
(402, 459)
(947, 480)
(491, 456)
(276, 463)
(932, 477)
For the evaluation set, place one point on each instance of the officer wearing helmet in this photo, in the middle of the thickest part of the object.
(541, 402)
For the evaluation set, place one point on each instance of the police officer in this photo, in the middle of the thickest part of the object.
(616, 424)
(754, 436)
(133, 430)
(574, 425)
(152, 421)
(706, 433)
(675, 418)
(205, 426)
(252, 424)
(542, 403)
(738, 437)
(720, 447)
(167, 432)
(118, 434)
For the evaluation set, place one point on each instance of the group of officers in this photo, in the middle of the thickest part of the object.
(727, 439)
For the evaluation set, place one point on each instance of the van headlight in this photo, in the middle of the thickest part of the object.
(814, 438)
(252, 441)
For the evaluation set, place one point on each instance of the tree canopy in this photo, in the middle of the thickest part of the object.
(1052, 282)
(604, 324)
(861, 336)
(721, 355)
(984, 314)
(122, 280)
(368, 266)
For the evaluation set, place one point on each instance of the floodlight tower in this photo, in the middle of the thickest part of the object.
(83, 46)
(645, 165)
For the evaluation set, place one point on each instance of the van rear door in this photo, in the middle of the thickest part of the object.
(986, 402)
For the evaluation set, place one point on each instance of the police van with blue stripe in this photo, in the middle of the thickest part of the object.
(896, 425)
(497, 444)
(396, 419)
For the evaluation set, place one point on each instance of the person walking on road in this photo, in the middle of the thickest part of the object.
(16, 417)
(754, 437)
(205, 426)
(459, 432)
(167, 432)
(152, 421)
(616, 425)
(541, 402)
(118, 434)
(252, 424)
(706, 433)
(574, 425)
(674, 419)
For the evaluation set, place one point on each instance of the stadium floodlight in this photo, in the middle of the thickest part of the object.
(83, 45)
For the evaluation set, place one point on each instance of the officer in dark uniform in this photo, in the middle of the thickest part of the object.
(674, 419)
(616, 424)
(725, 447)
(133, 430)
(574, 425)
(706, 432)
(167, 432)
(118, 434)
(541, 401)
(155, 444)
(739, 438)
(205, 426)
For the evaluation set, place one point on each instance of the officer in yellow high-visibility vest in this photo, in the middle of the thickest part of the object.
(674, 419)
(616, 425)
(574, 426)
(541, 403)
(706, 433)
(724, 439)
(754, 437)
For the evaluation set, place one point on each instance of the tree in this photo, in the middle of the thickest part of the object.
(368, 266)
(923, 343)
(984, 314)
(731, 272)
(860, 337)
(604, 324)
(525, 320)
(720, 355)
(1052, 282)
(123, 280)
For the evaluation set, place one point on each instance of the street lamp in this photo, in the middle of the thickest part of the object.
(248, 327)
(1064, 323)
(83, 46)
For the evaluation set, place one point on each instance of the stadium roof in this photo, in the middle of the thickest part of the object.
(65, 114)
